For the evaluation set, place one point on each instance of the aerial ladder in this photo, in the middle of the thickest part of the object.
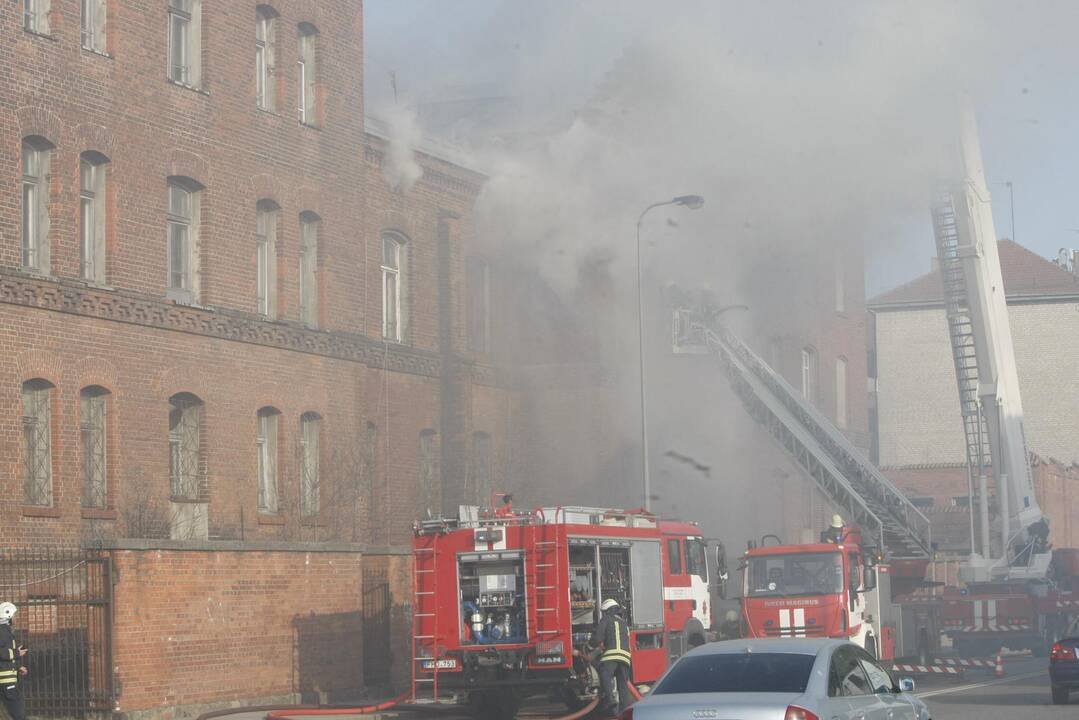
(840, 470)
(984, 360)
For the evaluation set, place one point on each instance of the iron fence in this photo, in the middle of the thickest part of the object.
(64, 597)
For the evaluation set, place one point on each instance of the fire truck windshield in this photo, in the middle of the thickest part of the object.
(794, 574)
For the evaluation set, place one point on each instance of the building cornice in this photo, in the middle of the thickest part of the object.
(78, 298)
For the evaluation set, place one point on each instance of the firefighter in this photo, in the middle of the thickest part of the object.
(731, 628)
(612, 636)
(11, 664)
(834, 533)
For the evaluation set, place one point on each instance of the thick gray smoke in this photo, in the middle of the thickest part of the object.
(810, 129)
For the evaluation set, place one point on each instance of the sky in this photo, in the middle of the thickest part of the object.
(1019, 60)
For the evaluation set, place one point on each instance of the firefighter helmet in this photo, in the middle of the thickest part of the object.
(7, 611)
(837, 522)
(608, 604)
(731, 616)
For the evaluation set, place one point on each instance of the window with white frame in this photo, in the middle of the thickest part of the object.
(36, 156)
(94, 16)
(427, 495)
(841, 409)
(93, 434)
(35, 16)
(809, 374)
(309, 226)
(306, 73)
(393, 252)
(266, 449)
(309, 471)
(37, 442)
(183, 235)
(476, 279)
(92, 168)
(185, 29)
(265, 38)
(185, 447)
(266, 213)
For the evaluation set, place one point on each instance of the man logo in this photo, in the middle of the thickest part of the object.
(705, 714)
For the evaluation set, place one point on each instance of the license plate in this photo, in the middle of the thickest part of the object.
(443, 664)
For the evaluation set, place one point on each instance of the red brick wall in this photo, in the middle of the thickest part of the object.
(198, 629)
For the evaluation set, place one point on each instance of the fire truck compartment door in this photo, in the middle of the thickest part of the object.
(647, 582)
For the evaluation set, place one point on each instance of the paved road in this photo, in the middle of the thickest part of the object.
(1022, 695)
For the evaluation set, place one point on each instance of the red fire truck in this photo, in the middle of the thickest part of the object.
(505, 602)
(828, 589)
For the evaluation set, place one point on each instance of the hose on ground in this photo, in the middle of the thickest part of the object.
(277, 714)
(582, 712)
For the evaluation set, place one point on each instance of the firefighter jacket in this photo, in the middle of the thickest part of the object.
(613, 633)
(10, 662)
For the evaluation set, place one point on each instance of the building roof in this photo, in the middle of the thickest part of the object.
(1026, 275)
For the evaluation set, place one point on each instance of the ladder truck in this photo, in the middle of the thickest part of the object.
(1008, 598)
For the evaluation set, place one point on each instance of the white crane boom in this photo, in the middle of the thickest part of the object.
(984, 357)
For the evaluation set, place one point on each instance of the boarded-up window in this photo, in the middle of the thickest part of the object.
(309, 225)
(37, 442)
(93, 432)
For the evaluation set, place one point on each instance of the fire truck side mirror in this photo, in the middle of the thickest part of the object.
(869, 578)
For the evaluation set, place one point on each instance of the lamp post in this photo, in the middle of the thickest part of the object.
(693, 202)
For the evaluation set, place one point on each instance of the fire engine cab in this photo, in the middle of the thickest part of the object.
(505, 603)
(819, 590)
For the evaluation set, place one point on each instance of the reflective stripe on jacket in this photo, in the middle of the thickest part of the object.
(9, 657)
(615, 640)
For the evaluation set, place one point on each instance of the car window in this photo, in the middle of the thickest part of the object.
(846, 678)
(879, 679)
(741, 672)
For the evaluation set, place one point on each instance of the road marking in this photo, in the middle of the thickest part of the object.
(961, 688)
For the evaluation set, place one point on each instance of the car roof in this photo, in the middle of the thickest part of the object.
(801, 646)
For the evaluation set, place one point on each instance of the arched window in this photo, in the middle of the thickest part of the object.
(394, 282)
(809, 373)
(265, 52)
(307, 73)
(185, 446)
(310, 428)
(92, 168)
(266, 449)
(36, 157)
(184, 213)
(841, 409)
(93, 445)
(266, 213)
(35, 16)
(37, 442)
(309, 227)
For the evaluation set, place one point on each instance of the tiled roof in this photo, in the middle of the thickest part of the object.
(1026, 275)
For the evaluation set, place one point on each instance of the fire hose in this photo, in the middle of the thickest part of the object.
(361, 710)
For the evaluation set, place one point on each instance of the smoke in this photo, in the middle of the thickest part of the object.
(811, 129)
(404, 134)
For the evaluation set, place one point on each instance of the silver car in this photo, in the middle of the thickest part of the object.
(779, 679)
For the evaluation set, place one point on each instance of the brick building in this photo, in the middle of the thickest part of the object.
(234, 355)
(919, 436)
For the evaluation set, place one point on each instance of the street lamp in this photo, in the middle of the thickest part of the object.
(693, 202)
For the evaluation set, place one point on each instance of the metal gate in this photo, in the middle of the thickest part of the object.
(376, 628)
(64, 596)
